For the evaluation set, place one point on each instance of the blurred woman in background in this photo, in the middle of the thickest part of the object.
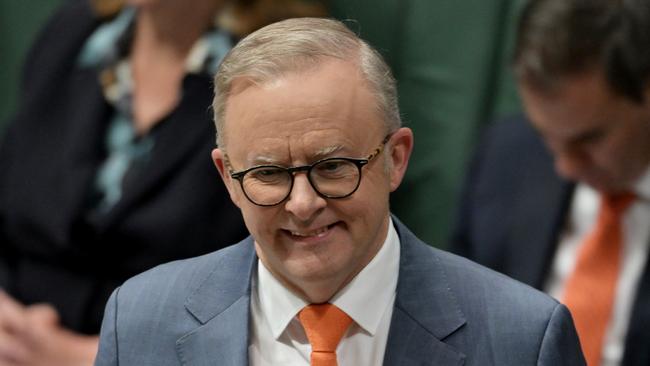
(106, 167)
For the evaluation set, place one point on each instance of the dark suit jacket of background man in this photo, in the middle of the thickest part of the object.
(512, 212)
(176, 205)
(448, 311)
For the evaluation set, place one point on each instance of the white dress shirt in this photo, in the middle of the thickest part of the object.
(636, 234)
(278, 338)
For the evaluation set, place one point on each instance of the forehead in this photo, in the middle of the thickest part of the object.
(576, 104)
(325, 106)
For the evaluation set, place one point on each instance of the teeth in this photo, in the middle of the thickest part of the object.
(320, 232)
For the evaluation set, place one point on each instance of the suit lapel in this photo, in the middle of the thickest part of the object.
(61, 113)
(223, 340)
(86, 135)
(638, 334)
(425, 311)
(221, 304)
(409, 343)
(188, 130)
(75, 153)
(533, 239)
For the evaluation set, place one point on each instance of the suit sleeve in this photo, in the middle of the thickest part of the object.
(108, 352)
(560, 345)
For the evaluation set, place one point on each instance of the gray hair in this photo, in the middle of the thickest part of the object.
(298, 44)
(561, 38)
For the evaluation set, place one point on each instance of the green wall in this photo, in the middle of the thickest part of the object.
(451, 61)
(19, 23)
(450, 58)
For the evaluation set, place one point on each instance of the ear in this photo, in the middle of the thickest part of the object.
(219, 161)
(400, 152)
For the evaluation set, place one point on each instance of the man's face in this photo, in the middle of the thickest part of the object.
(596, 136)
(308, 240)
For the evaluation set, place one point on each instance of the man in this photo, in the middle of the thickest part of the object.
(534, 213)
(310, 146)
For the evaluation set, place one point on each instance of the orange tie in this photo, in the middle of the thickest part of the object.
(591, 288)
(325, 325)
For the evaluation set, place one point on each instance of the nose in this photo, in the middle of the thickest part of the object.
(570, 164)
(304, 202)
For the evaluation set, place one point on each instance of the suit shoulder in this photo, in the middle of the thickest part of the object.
(51, 56)
(183, 276)
(516, 324)
(507, 149)
(512, 130)
(494, 284)
(464, 277)
(74, 18)
(172, 300)
(473, 283)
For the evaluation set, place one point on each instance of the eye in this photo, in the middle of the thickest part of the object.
(592, 138)
(268, 175)
(335, 168)
(330, 166)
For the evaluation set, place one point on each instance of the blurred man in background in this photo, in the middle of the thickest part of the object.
(573, 218)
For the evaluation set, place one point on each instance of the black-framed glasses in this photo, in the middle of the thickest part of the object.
(270, 185)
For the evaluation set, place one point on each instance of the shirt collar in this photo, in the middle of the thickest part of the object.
(104, 46)
(642, 187)
(276, 301)
(374, 285)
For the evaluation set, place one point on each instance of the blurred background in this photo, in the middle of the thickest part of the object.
(450, 58)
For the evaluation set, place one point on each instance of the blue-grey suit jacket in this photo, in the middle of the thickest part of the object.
(513, 210)
(448, 311)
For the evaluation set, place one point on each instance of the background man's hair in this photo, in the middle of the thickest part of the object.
(560, 38)
(296, 45)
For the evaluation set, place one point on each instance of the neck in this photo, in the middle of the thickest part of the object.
(324, 289)
(166, 30)
(316, 293)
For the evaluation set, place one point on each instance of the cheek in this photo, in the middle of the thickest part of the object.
(369, 207)
(253, 218)
(615, 150)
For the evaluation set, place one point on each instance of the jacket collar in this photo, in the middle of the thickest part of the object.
(426, 311)
(221, 304)
(533, 239)
(170, 153)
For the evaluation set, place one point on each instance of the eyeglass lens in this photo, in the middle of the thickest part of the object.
(331, 178)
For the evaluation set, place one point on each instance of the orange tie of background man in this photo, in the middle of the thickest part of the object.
(325, 325)
(591, 288)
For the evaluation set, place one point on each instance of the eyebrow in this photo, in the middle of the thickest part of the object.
(587, 136)
(263, 160)
(325, 152)
(313, 156)
(579, 138)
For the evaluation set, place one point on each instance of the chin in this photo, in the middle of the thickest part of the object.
(608, 187)
(314, 271)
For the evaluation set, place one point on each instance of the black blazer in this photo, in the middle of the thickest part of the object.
(512, 210)
(173, 206)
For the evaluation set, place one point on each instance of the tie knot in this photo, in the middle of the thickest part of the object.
(616, 204)
(324, 325)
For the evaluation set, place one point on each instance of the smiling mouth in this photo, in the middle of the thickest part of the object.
(318, 233)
